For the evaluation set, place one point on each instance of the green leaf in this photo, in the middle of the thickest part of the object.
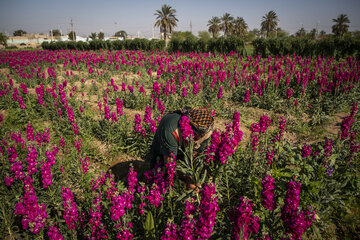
(316, 231)
(149, 226)
(332, 159)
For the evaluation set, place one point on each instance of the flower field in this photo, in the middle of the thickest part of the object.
(76, 129)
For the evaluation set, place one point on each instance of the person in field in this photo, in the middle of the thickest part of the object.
(168, 140)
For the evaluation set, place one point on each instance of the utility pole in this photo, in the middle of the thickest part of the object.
(317, 26)
(190, 27)
(72, 29)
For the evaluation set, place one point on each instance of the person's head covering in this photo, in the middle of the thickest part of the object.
(200, 120)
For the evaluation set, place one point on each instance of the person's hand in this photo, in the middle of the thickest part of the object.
(197, 188)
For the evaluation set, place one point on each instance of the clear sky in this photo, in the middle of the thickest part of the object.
(137, 16)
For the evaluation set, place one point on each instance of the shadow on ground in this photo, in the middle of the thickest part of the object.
(120, 169)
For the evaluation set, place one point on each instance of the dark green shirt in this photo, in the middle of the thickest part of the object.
(164, 142)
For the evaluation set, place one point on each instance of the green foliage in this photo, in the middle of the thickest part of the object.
(93, 36)
(55, 32)
(121, 33)
(182, 36)
(204, 35)
(97, 44)
(19, 32)
(101, 36)
(222, 45)
(3, 39)
(328, 47)
(72, 36)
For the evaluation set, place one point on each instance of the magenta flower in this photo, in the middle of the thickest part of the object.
(267, 193)
(208, 209)
(247, 96)
(75, 128)
(264, 123)
(125, 235)
(70, 113)
(132, 179)
(156, 88)
(70, 210)
(107, 112)
(306, 151)
(85, 163)
(170, 167)
(296, 223)
(137, 125)
(186, 130)
(169, 232)
(62, 142)
(154, 196)
(220, 93)
(31, 160)
(98, 230)
(153, 126)
(328, 147)
(184, 92)
(30, 132)
(119, 106)
(77, 144)
(34, 215)
(8, 181)
(147, 116)
(244, 221)
(289, 93)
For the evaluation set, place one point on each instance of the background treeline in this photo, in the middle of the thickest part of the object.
(136, 44)
(214, 45)
(222, 45)
(337, 47)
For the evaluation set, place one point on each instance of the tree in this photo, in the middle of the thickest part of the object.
(214, 26)
(205, 35)
(313, 34)
(301, 33)
(166, 20)
(356, 34)
(55, 33)
(340, 27)
(101, 35)
(256, 32)
(240, 27)
(227, 24)
(183, 35)
(72, 36)
(269, 22)
(121, 34)
(280, 33)
(19, 33)
(93, 36)
(3, 39)
(322, 34)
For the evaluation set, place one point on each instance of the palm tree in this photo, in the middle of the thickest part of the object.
(301, 33)
(341, 27)
(101, 35)
(93, 36)
(269, 22)
(227, 24)
(240, 27)
(322, 34)
(313, 33)
(214, 26)
(166, 20)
